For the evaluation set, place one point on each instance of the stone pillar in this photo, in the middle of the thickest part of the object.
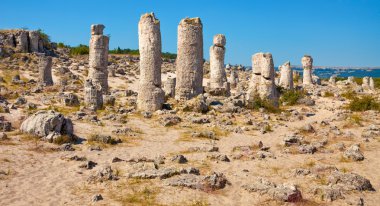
(93, 97)
(365, 83)
(44, 70)
(189, 63)
(98, 57)
(307, 64)
(258, 63)
(286, 76)
(218, 76)
(34, 38)
(150, 96)
(332, 80)
(22, 42)
(351, 80)
(234, 79)
(267, 88)
(371, 84)
(169, 86)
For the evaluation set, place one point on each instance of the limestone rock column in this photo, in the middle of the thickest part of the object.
(286, 77)
(234, 79)
(150, 96)
(371, 84)
(98, 57)
(267, 88)
(332, 80)
(258, 63)
(44, 70)
(22, 42)
(365, 83)
(218, 76)
(169, 86)
(189, 63)
(93, 97)
(34, 38)
(307, 64)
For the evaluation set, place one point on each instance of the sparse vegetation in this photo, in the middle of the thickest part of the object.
(118, 50)
(258, 103)
(364, 103)
(290, 97)
(79, 50)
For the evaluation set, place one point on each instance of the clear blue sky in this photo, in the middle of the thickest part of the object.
(334, 32)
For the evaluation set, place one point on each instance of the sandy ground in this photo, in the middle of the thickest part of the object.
(39, 176)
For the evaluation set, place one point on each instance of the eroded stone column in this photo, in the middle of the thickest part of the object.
(150, 96)
(98, 57)
(267, 88)
(258, 63)
(189, 63)
(233, 79)
(371, 84)
(218, 77)
(332, 80)
(93, 97)
(22, 42)
(286, 76)
(307, 64)
(365, 83)
(44, 70)
(34, 38)
(169, 86)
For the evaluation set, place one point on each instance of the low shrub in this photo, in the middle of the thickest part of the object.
(363, 104)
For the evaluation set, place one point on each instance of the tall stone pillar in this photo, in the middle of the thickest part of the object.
(267, 88)
(150, 96)
(44, 70)
(98, 57)
(307, 64)
(286, 78)
(93, 97)
(365, 83)
(371, 84)
(254, 83)
(34, 38)
(218, 77)
(332, 80)
(22, 42)
(189, 63)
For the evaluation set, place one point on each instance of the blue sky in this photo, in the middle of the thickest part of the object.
(334, 32)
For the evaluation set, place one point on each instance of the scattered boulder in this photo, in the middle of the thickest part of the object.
(354, 153)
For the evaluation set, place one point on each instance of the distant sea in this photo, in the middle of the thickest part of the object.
(327, 73)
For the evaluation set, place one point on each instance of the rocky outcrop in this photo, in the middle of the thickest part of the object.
(48, 125)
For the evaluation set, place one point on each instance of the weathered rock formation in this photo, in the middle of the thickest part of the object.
(262, 81)
(307, 64)
(93, 97)
(233, 79)
(44, 70)
(332, 80)
(218, 78)
(98, 57)
(150, 96)
(189, 68)
(286, 77)
(22, 41)
(169, 86)
(371, 84)
(365, 83)
(48, 125)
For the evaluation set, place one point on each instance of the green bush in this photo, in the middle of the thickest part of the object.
(363, 104)
(258, 103)
(79, 50)
(349, 94)
(290, 97)
(62, 45)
